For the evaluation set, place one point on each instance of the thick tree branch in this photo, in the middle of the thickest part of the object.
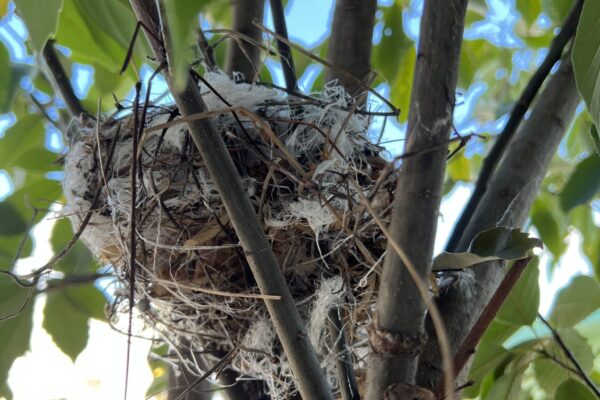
(351, 41)
(286, 319)
(516, 115)
(285, 51)
(243, 56)
(61, 80)
(509, 197)
(400, 306)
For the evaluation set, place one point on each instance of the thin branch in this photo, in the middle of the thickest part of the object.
(207, 52)
(508, 199)
(346, 378)
(581, 372)
(349, 76)
(286, 319)
(218, 366)
(351, 41)
(401, 306)
(242, 56)
(285, 52)
(516, 116)
(469, 345)
(177, 384)
(61, 80)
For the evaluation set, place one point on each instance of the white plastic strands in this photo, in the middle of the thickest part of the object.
(295, 157)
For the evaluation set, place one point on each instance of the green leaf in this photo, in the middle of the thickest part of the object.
(499, 331)
(546, 223)
(508, 386)
(459, 168)
(182, 17)
(402, 84)
(488, 356)
(493, 244)
(88, 43)
(66, 315)
(595, 138)
(10, 76)
(9, 245)
(576, 301)
(11, 221)
(160, 370)
(573, 389)
(394, 44)
(582, 218)
(583, 184)
(529, 9)
(27, 133)
(79, 259)
(36, 191)
(3, 7)
(521, 305)
(586, 57)
(41, 18)
(548, 375)
(14, 332)
(557, 9)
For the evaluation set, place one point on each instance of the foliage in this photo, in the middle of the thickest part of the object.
(517, 356)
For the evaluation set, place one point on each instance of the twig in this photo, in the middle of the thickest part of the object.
(208, 55)
(468, 346)
(62, 81)
(73, 280)
(132, 223)
(219, 365)
(520, 108)
(588, 381)
(346, 378)
(261, 259)
(349, 76)
(285, 52)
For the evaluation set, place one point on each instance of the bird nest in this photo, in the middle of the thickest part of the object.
(297, 157)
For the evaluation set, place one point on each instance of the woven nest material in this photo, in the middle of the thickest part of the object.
(296, 158)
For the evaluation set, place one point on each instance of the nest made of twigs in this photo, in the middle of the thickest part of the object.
(296, 157)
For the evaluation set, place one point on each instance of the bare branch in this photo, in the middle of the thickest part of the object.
(351, 41)
(60, 78)
(286, 319)
(580, 371)
(285, 51)
(243, 56)
(400, 307)
(346, 378)
(516, 115)
(509, 197)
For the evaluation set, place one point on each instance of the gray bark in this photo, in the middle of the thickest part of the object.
(350, 42)
(508, 199)
(400, 307)
(242, 56)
